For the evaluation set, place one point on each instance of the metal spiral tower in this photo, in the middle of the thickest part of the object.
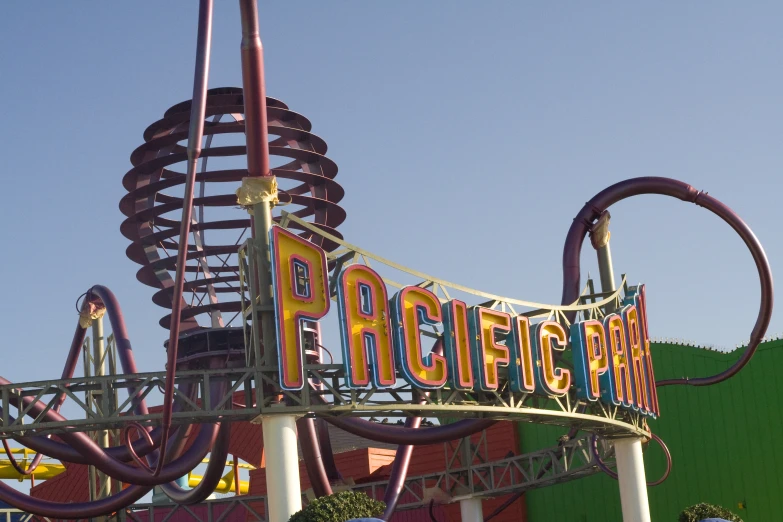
(153, 205)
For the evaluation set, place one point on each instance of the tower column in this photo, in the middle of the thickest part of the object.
(471, 510)
(630, 476)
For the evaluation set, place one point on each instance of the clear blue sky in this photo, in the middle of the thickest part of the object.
(489, 122)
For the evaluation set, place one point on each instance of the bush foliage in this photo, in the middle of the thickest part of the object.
(701, 511)
(339, 508)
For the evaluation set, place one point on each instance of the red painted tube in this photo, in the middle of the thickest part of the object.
(402, 458)
(676, 189)
(103, 297)
(315, 462)
(254, 91)
(399, 471)
(195, 134)
(650, 483)
(214, 470)
(14, 464)
(77, 510)
(317, 454)
(593, 209)
(72, 359)
(75, 452)
(212, 475)
(68, 371)
(410, 436)
(116, 469)
(311, 453)
(103, 460)
(99, 507)
(119, 470)
(405, 437)
(327, 454)
(121, 337)
(82, 509)
(571, 278)
(61, 451)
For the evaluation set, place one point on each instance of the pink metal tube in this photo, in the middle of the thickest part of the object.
(117, 469)
(68, 371)
(254, 91)
(59, 510)
(14, 464)
(406, 437)
(399, 471)
(402, 458)
(87, 455)
(410, 436)
(195, 135)
(311, 454)
(327, 454)
(104, 297)
(593, 209)
(212, 475)
(677, 189)
(317, 451)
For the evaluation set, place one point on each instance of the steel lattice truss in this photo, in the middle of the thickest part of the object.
(335, 400)
(463, 477)
(569, 461)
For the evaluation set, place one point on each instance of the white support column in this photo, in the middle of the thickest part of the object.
(471, 509)
(99, 364)
(283, 490)
(633, 484)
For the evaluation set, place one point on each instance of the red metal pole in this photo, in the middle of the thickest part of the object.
(236, 476)
(254, 91)
(195, 135)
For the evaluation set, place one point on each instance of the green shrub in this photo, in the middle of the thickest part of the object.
(339, 508)
(701, 511)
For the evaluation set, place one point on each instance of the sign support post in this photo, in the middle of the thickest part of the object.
(599, 238)
(284, 493)
(630, 462)
(471, 509)
(633, 484)
(103, 482)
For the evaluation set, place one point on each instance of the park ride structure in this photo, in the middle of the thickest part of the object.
(224, 353)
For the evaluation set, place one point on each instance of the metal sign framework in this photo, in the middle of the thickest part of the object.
(333, 397)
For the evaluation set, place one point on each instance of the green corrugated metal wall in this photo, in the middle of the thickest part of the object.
(725, 441)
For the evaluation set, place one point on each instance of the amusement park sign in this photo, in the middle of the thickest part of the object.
(483, 349)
